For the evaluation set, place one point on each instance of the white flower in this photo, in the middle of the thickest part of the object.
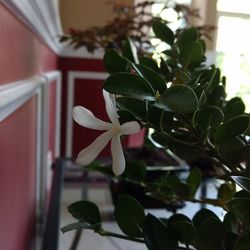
(114, 130)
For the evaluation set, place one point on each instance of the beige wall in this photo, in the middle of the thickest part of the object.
(83, 14)
(208, 16)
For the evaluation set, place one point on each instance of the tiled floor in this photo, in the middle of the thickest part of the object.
(101, 196)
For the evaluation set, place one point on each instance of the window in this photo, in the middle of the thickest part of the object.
(233, 46)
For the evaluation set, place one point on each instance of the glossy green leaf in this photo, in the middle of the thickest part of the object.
(229, 241)
(129, 85)
(240, 208)
(217, 96)
(153, 78)
(129, 51)
(85, 211)
(186, 151)
(149, 62)
(243, 242)
(225, 192)
(233, 151)
(179, 217)
(113, 62)
(208, 117)
(157, 235)
(162, 32)
(231, 128)
(210, 235)
(187, 36)
(185, 230)
(129, 215)
(135, 170)
(234, 107)
(194, 180)
(214, 81)
(134, 106)
(242, 181)
(178, 98)
(191, 55)
(202, 215)
(160, 119)
(230, 222)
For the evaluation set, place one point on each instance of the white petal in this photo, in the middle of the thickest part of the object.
(111, 107)
(85, 118)
(118, 165)
(88, 154)
(129, 128)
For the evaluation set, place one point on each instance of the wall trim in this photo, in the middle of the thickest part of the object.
(42, 17)
(72, 76)
(13, 96)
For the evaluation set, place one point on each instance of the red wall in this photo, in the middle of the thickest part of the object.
(22, 55)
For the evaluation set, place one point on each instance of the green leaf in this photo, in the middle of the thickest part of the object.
(186, 231)
(129, 85)
(79, 226)
(229, 241)
(178, 217)
(225, 192)
(186, 151)
(178, 98)
(135, 170)
(194, 180)
(129, 51)
(231, 128)
(240, 208)
(134, 106)
(187, 36)
(129, 215)
(230, 222)
(233, 151)
(214, 81)
(202, 215)
(149, 62)
(85, 211)
(210, 234)
(157, 235)
(162, 32)
(160, 119)
(217, 96)
(113, 62)
(234, 107)
(243, 242)
(152, 77)
(191, 55)
(242, 182)
(208, 117)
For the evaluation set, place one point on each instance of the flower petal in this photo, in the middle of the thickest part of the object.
(119, 163)
(129, 128)
(86, 118)
(88, 154)
(111, 107)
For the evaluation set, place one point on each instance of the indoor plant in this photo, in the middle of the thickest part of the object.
(184, 101)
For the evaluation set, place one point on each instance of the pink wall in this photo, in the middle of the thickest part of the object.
(22, 55)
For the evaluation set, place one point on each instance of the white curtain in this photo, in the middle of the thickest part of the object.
(42, 16)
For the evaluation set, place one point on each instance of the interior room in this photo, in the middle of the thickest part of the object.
(125, 124)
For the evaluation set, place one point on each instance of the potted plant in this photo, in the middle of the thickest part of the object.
(183, 101)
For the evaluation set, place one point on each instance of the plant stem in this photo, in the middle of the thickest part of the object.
(120, 236)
